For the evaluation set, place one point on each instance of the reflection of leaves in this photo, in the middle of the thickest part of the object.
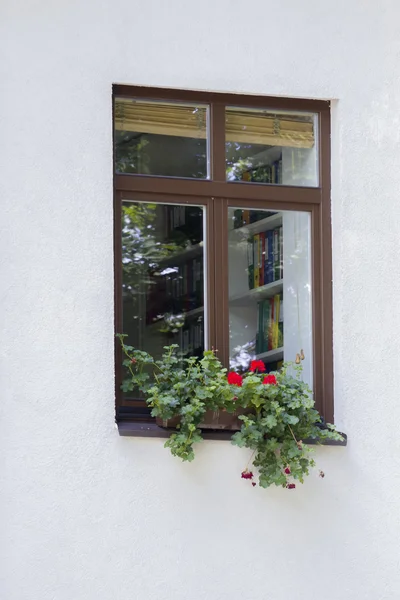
(129, 153)
(142, 249)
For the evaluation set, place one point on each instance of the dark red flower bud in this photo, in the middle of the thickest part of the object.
(234, 398)
(247, 474)
(321, 474)
(133, 361)
(287, 471)
(253, 483)
(291, 486)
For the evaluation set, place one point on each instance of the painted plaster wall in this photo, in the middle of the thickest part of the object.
(86, 515)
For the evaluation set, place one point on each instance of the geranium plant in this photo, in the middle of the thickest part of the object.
(277, 408)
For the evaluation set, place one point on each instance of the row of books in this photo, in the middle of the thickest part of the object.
(192, 338)
(270, 324)
(183, 224)
(245, 217)
(265, 173)
(186, 280)
(265, 257)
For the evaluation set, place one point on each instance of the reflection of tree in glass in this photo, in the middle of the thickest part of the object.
(240, 158)
(141, 251)
(130, 156)
(142, 255)
(153, 154)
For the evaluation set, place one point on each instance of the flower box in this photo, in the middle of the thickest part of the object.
(213, 419)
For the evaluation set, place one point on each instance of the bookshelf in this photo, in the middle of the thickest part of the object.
(271, 355)
(183, 255)
(262, 225)
(269, 319)
(257, 294)
(187, 315)
(256, 286)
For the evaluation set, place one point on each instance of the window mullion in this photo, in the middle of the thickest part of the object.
(209, 297)
(221, 303)
(217, 136)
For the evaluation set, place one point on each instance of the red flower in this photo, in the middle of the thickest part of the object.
(257, 365)
(253, 483)
(235, 379)
(291, 486)
(133, 361)
(247, 474)
(271, 379)
(287, 471)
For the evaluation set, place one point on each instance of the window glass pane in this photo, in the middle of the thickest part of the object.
(270, 289)
(154, 138)
(263, 146)
(163, 278)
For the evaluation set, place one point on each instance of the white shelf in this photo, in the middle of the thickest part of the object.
(184, 255)
(257, 294)
(184, 315)
(271, 355)
(264, 225)
(194, 311)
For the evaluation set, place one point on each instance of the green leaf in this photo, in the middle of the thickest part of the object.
(270, 421)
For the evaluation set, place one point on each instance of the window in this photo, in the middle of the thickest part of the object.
(222, 232)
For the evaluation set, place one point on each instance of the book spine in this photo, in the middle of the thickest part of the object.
(270, 322)
(270, 265)
(276, 254)
(280, 252)
(250, 264)
(266, 257)
(258, 336)
(265, 325)
(280, 322)
(256, 242)
(262, 258)
(276, 319)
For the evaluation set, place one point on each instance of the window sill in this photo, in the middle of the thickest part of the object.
(144, 429)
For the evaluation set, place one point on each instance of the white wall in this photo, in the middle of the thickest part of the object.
(85, 514)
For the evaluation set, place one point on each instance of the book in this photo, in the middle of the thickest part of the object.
(256, 254)
(250, 263)
(262, 258)
(270, 263)
(276, 254)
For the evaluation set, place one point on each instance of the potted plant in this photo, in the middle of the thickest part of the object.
(274, 412)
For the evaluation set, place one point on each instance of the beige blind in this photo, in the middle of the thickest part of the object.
(251, 127)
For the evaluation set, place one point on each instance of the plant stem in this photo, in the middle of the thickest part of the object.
(291, 431)
(250, 459)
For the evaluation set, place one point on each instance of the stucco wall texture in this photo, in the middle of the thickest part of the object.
(85, 514)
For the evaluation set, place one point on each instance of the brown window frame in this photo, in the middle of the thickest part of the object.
(218, 194)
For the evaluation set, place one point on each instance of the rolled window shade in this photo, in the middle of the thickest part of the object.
(161, 119)
(255, 127)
